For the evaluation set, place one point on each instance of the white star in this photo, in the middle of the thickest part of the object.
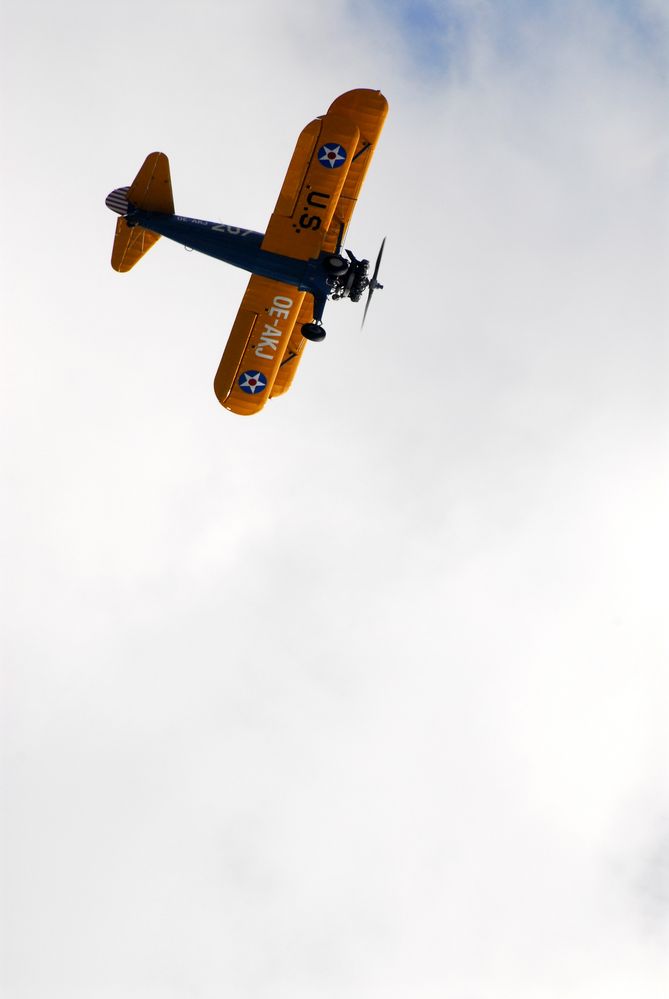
(332, 155)
(254, 382)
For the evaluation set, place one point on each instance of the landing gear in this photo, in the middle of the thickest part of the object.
(313, 332)
(335, 265)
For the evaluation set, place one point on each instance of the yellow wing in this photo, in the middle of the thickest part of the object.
(257, 344)
(312, 213)
(294, 349)
(368, 109)
(311, 190)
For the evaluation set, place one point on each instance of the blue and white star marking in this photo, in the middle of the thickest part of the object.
(252, 382)
(332, 155)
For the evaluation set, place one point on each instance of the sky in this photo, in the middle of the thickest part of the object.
(364, 696)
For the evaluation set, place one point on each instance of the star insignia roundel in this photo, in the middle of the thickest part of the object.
(331, 155)
(252, 382)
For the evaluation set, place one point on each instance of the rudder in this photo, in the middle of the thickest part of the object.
(151, 190)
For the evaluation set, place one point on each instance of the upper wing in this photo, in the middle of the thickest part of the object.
(368, 109)
(314, 181)
(257, 344)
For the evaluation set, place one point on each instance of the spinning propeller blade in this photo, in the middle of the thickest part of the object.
(373, 284)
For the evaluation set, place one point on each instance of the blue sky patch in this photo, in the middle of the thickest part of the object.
(438, 34)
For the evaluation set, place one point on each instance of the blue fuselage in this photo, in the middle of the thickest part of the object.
(239, 247)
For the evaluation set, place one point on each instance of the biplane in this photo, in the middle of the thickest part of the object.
(296, 265)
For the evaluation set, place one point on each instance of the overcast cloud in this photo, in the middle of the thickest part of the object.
(365, 696)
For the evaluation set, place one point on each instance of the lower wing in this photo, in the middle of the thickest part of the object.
(257, 345)
(294, 349)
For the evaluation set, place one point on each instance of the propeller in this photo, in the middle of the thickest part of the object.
(373, 284)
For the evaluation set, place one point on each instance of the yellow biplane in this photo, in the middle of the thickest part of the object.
(296, 265)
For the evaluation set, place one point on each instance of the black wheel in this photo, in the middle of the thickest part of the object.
(313, 332)
(336, 265)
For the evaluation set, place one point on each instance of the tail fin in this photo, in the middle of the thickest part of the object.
(150, 191)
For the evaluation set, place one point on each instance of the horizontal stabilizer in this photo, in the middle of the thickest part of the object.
(130, 245)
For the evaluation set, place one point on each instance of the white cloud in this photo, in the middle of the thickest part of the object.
(363, 696)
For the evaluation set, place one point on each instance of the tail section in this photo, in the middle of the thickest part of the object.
(150, 191)
(118, 201)
(130, 245)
